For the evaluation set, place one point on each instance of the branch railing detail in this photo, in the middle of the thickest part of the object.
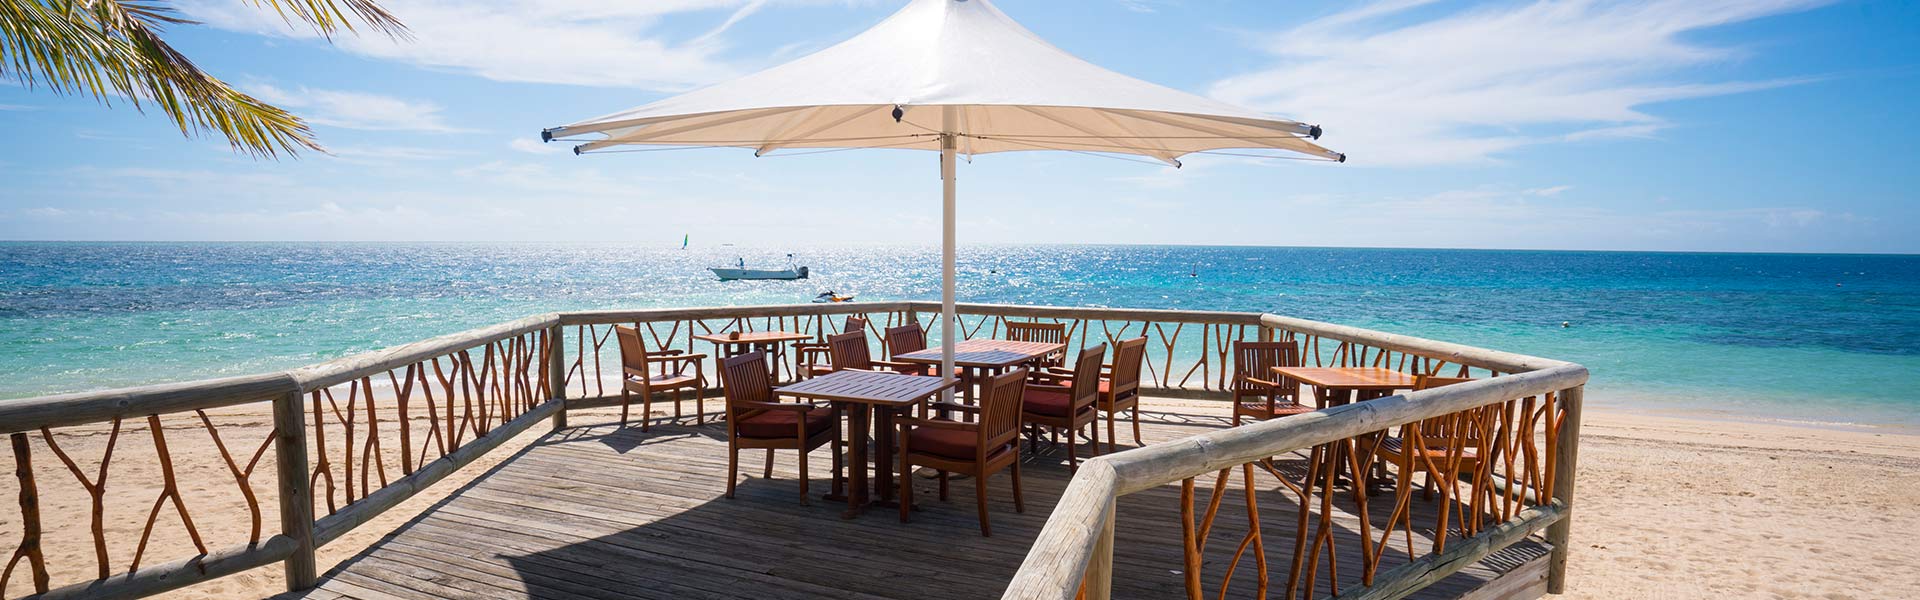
(349, 439)
(1499, 452)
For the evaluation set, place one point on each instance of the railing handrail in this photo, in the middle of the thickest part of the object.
(1079, 529)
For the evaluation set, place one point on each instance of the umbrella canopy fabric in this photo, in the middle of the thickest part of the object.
(957, 76)
(1010, 89)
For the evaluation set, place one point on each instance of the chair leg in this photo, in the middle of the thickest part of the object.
(1110, 431)
(733, 467)
(699, 407)
(980, 500)
(1073, 460)
(1136, 426)
(768, 474)
(1019, 503)
(626, 400)
(804, 501)
(839, 463)
(943, 486)
(676, 406)
(906, 487)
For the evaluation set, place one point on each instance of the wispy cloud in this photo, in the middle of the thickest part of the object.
(604, 43)
(356, 110)
(17, 107)
(1395, 85)
(530, 146)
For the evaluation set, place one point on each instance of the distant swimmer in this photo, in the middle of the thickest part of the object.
(1566, 324)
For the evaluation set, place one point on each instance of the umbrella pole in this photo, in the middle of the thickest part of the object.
(948, 156)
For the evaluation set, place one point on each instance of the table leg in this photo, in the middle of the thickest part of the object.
(857, 428)
(883, 434)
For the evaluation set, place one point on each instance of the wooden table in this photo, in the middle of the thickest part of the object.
(1334, 386)
(988, 356)
(860, 393)
(727, 346)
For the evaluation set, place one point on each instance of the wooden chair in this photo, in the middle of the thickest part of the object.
(904, 339)
(1253, 376)
(1052, 333)
(849, 351)
(1068, 407)
(1120, 390)
(978, 449)
(1442, 447)
(809, 354)
(756, 419)
(639, 375)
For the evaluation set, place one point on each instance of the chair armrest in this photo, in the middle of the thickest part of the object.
(937, 424)
(791, 407)
(894, 364)
(677, 358)
(1258, 381)
(953, 406)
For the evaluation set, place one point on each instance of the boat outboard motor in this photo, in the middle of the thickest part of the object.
(803, 272)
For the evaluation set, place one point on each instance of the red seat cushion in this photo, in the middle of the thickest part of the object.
(781, 423)
(949, 443)
(1052, 403)
(1106, 385)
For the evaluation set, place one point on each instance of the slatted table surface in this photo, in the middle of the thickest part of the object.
(985, 353)
(598, 511)
(867, 387)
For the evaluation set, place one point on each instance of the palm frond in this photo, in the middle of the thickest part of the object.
(112, 50)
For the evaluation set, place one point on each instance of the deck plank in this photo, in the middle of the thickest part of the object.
(610, 513)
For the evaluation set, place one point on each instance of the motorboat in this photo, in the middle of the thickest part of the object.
(740, 272)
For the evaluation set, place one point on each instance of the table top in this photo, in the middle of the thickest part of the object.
(753, 337)
(985, 353)
(870, 387)
(1349, 378)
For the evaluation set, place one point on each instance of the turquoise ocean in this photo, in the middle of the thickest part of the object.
(1819, 339)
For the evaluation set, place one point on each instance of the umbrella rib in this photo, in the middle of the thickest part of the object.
(776, 144)
(1150, 117)
(1163, 158)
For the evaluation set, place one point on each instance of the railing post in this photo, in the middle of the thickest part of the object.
(296, 499)
(557, 374)
(1099, 579)
(1566, 458)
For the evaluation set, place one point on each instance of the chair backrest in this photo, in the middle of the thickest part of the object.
(849, 351)
(854, 323)
(1086, 377)
(1052, 333)
(1257, 360)
(1127, 358)
(743, 379)
(906, 338)
(1000, 409)
(1458, 431)
(633, 352)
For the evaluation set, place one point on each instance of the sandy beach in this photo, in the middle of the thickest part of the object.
(1668, 507)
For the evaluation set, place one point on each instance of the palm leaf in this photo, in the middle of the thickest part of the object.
(112, 50)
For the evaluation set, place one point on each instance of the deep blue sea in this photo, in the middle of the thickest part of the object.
(1815, 338)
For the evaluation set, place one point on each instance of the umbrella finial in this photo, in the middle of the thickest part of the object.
(546, 135)
(1313, 132)
(898, 113)
(1343, 157)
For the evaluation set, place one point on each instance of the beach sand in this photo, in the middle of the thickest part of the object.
(1668, 507)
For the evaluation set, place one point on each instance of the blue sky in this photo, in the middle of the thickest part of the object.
(1735, 125)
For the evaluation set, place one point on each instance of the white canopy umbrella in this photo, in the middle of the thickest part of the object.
(956, 76)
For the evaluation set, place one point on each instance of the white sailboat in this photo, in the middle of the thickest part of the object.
(741, 272)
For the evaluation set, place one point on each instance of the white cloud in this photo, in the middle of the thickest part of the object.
(605, 43)
(17, 107)
(355, 110)
(1464, 87)
(531, 146)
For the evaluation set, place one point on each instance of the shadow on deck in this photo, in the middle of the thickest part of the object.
(604, 512)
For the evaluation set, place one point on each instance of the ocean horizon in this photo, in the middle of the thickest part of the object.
(1820, 339)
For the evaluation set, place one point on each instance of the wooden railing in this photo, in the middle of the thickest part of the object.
(352, 438)
(1523, 415)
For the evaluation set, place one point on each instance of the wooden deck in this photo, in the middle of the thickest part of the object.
(602, 512)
